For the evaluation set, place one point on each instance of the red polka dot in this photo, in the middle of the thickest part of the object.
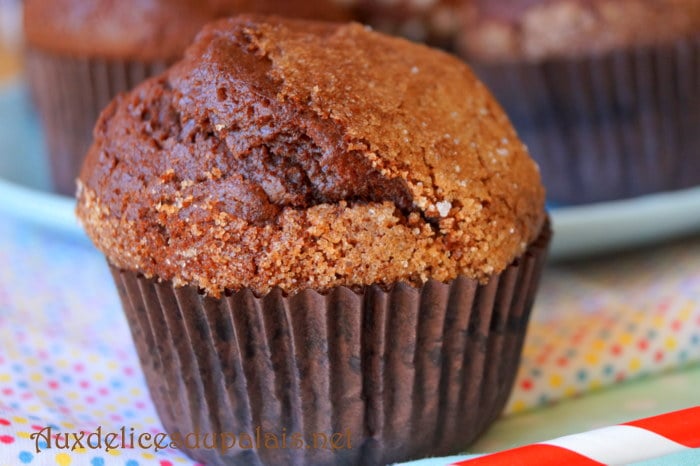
(658, 356)
(26, 395)
(4, 422)
(6, 439)
(562, 361)
(616, 350)
(90, 399)
(53, 384)
(676, 325)
(36, 427)
(643, 345)
(7, 391)
(128, 371)
(620, 377)
(84, 384)
(103, 391)
(79, 367)
(526, 384)
(166, 463)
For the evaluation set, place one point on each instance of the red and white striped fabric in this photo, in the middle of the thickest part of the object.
(621, 444)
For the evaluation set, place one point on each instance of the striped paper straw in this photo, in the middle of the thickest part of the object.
(621, 444)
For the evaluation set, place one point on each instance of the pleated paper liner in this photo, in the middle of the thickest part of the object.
(70, 93)
(356, 377)
(608, 127)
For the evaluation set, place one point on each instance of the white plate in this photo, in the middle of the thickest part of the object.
(579, 231)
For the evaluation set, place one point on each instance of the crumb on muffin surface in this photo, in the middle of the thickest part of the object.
(294, 154)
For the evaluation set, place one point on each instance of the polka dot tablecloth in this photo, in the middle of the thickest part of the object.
(67, 361)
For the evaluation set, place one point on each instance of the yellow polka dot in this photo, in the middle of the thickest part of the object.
(114, 452)
(518, 406)
(68, 425)
(658, 321)
(5, 377)
(123, 399)
(99, 376)
(112, 364)
(62, 363)
(626, 338)
(594, 384)
(135, 391)
(35, 377)
(73, 395)
(635, 364)
(93, 358)
(599, 345)
(686, 312)
(34, 408)
(63, 459)
(591, 358)
(41, 393)
(20, 420)
(24, 435)
(149, 420)
(80, 450)
(555, 380)
(670, 343)
(148, 456)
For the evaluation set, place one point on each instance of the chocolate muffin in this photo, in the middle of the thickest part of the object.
(436, 22)
(80, 54)
(318, 229)
(605, 93)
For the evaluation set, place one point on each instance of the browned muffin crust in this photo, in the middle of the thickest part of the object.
(510, 30)
(146, 29)
(298, 154)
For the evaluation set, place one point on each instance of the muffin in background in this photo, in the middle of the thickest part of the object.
(81, 53)
(605, 93)
(435, 22)
(318, 229)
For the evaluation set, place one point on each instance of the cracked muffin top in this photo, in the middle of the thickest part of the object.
(146, 29)
(295, 154)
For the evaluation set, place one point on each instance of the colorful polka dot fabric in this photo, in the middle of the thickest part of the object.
(607, 321)
(67, 363)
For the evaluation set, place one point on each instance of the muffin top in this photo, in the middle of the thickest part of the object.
(295, 154)
(533, 30)
(145, 29)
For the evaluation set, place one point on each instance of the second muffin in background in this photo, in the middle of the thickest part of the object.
(605, 93)
(318, 229)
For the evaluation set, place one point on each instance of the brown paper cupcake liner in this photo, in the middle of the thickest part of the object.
(608, 127)
(399, 373)
(69, 94)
